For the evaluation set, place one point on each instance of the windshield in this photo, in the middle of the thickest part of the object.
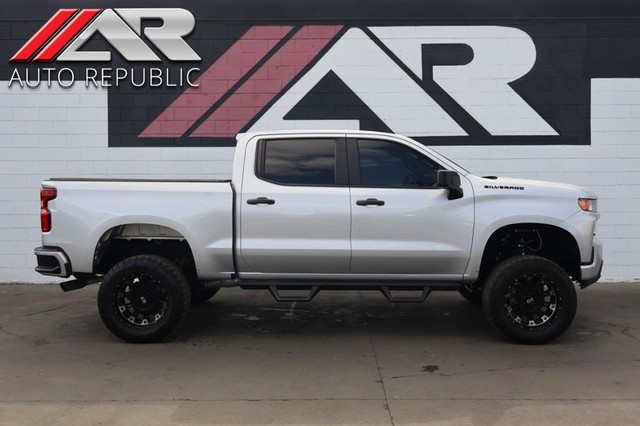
(442, 156)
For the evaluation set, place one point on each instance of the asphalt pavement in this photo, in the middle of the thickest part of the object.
(344, 358)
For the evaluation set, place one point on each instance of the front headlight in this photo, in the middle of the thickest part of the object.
(588, 204)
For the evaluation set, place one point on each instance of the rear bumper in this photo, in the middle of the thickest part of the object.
(52, 261)
(591, 272)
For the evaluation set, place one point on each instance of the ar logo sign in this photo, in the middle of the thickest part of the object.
(382, 65)
(69, 29)
(501, 55)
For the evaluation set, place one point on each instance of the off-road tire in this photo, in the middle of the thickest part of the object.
(529, 299)
(143, 298)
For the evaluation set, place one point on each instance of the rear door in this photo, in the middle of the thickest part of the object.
(402, 223)
(295, 213)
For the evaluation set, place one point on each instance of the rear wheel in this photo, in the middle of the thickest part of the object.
(144, 298)
(529, 299)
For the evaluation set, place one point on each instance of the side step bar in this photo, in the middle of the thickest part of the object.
(395, 292)
(419, 295)
(311, 293)
(77, 284)
(396, 298)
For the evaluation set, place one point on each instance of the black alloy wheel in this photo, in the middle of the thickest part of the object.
(144, 298)
(529, 299)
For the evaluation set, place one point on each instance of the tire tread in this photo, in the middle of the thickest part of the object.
(492, 299)
(173, 274)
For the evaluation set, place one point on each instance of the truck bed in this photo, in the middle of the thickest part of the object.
(200, 211)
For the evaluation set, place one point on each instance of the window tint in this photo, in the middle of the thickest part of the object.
(299, 161)
(385, 163)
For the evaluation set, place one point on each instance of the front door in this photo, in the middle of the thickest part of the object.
(402, 223)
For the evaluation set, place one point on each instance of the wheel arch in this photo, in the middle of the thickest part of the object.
(127, 238)
(556, 244)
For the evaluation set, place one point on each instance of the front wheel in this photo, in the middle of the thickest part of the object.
(529, 299)
(143, 298)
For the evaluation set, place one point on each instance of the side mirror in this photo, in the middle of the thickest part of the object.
(449, 179)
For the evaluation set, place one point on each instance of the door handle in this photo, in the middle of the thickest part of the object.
(260, 201)
(370, 202)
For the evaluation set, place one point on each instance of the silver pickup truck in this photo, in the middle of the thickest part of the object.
(312, 210)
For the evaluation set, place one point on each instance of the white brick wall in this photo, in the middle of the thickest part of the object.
(610, 166)
(63, 132)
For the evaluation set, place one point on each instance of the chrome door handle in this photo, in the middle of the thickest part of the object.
(261, 201)
(370, 202)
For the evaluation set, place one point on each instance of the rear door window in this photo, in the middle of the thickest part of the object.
(297, 161)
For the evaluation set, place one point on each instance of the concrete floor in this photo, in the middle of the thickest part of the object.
(345, 358)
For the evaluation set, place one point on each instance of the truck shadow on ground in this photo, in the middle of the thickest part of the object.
(342, 314)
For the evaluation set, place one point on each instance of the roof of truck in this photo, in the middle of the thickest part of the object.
(250, 135)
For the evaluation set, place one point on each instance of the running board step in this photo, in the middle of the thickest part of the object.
(77, 284)
(304, 297)
(393, 296)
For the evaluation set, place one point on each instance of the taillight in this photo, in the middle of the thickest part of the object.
(46, 195)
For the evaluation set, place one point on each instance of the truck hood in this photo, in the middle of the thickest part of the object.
(528, 186)
(522, 200)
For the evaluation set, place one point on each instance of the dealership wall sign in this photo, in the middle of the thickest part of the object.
(60, 39)
(104, 77)
(485, 74)
(354, 53)
(441, 84)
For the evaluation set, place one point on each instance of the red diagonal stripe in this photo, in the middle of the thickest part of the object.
(43, 35)
(216, 81)
(267, 82)
(67, 34)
